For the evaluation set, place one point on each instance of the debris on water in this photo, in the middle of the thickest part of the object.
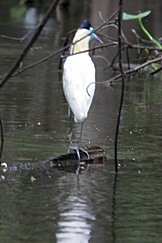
(4, 165)
(2, 178)
(32, 178)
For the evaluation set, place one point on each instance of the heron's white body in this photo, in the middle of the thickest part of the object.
(79, 78)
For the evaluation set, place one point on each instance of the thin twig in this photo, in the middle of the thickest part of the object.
(128, 59)
(60, 51)
(40, 61)
(140, 38)
(133, 70)
(21, 39)
(125, 43)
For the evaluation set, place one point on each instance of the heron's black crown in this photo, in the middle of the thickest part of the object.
(85, 25)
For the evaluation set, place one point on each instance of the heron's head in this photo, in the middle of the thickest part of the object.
(82, 38)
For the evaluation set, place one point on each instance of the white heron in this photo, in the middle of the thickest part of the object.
(79, 77)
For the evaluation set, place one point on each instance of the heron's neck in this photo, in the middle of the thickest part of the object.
(81, 44)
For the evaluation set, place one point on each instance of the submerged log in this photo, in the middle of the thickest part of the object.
(70, 160)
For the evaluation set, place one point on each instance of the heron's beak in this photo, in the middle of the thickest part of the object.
(95, 37)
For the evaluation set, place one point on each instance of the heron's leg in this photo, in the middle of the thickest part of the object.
(80, 138)
(78, 154)
(79, 148)
(70, 130)
(69, 112)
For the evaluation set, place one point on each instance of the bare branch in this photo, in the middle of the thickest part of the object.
(21, 39)
(29, 44)
(133, 70)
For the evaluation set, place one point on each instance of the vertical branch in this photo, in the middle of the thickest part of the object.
(123, 84)
(2, 138)
(30, 43)
(128, 60)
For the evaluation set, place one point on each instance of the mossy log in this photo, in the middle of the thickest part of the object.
(70, 160)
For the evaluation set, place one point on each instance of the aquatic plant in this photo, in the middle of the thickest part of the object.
(139, 17)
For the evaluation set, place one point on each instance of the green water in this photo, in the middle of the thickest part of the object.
(58, 206)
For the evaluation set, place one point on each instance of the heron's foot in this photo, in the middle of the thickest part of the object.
(77, 149)
(83, 150)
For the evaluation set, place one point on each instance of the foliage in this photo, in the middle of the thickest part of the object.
(17, 12)
(139, 17)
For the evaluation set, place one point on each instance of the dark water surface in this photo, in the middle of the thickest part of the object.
(58, 206)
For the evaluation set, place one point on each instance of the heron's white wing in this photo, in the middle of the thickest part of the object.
(79, 84)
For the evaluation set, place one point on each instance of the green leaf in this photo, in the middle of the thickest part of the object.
(18, 12)
(136, 16)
